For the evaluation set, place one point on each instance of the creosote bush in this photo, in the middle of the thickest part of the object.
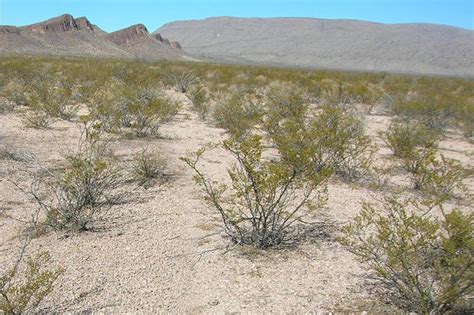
(405, 138)
(421, 262)
(53, 98)
(264, 199)
(144, 111)
(200, 101)
(132, 110)
(148, 168)
(340, 143)
(83, 190)
(181, 80)
(238, 115)
(433, 173)
(37, 118)
(24, 286)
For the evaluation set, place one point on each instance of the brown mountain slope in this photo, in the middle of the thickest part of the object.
(137, 40)
(66, 36)
(332, 44)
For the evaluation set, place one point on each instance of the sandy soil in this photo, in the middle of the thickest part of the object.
(163, 250)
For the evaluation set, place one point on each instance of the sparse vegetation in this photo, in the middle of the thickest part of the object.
(420, 262)
(82, 190)
(148, 168)
(405, 138)
(200, 101)
(181, 80)
(288, 131)
(25, 285)
(264, 198)
(238, 115)
(440, 176)
(37, 118)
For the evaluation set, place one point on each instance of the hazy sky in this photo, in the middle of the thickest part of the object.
(115, 14)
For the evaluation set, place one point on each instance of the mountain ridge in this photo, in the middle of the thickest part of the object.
(414, 48)
(65, 35)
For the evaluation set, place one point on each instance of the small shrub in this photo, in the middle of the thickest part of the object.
(38, 119)
(22, 289)
(83, 190)
(405, 138)
(15, 91)
(6, 106)
(264, 198)
(181, 80)
(16, 155)
(433, 112)
(147, 169)
(340, 143)
(200, 100)
(282, 105)
(439, 176)
(420, 262)
(238, 115)
(53, 98)
(143, 111)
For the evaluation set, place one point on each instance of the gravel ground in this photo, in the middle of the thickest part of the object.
(164, 252)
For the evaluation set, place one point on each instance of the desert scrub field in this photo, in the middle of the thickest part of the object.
(186, 187)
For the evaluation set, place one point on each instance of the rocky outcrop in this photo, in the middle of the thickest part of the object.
(129, 34)
(7, 29)
(84, 24)
(174, 44)
(63, 23)
(66, 35)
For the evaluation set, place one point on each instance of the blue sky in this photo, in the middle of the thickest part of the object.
(115, 14)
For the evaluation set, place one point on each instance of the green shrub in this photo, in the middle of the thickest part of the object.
(284, 104)
(200, 100)
(466, 119)
(82, 190)
(405, 138)
(15, 91)
(340, 143)
(439, 176)
(264, 198)
(147, 169)
(181, 80)
(434, 112)
(130, 109)
(420, 262)
(23, 288)
(238, 115)
(53, 98)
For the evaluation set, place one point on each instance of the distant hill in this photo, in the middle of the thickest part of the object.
(330, 44)
(68, 36)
